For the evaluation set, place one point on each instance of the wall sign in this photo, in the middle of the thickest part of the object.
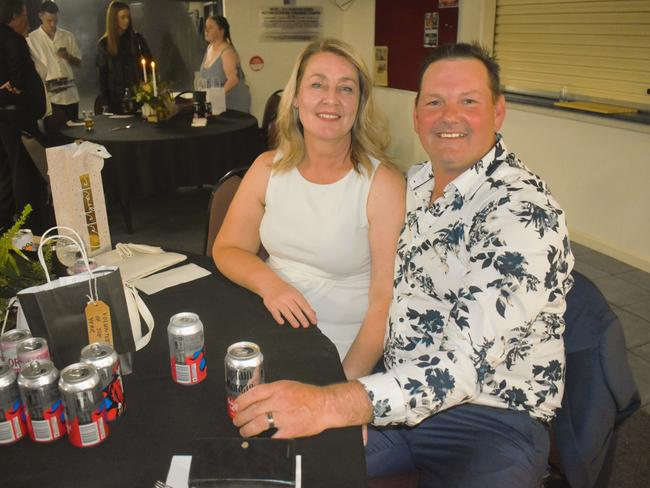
(290, 23)
(256, 63)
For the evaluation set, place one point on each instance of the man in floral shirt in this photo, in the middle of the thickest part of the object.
(474, 358)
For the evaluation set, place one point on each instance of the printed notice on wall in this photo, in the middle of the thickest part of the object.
(431, 29)
(381, 66)
(290, 23)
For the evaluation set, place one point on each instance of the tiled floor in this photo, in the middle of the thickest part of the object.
(627, 290)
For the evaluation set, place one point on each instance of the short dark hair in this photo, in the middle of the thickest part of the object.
(49, 7)
(469, 51)
(9, 9)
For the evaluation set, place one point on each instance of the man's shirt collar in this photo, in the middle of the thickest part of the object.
(421, 180)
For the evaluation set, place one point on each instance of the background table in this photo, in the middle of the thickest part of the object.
(150, 159)
(163, 418)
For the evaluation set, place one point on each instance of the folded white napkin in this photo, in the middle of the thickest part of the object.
(154, 283)
(138, 260)
(199, 122)
(179, 471)
(71, 123)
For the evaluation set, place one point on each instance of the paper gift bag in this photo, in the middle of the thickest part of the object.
(68, 311)
(78, 193)
(217, 98)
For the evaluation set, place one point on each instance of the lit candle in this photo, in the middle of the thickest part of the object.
(153, 78)
(144, 69)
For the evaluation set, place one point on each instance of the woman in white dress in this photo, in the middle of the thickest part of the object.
(326, 205)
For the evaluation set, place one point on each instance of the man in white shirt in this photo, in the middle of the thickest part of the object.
(473, 354)
(57, 50)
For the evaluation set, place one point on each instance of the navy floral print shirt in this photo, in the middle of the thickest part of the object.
(479, 293)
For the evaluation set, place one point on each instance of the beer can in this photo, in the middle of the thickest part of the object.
(39, 390)
(9, 345)
(31, 349)
(244, 367)
(12, 414)
(23, 240)
(104, 358)
(187, 348)
(81, 390)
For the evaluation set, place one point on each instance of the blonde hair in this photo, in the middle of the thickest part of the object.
(369, 134)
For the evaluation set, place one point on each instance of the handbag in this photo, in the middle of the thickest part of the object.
(69, 312)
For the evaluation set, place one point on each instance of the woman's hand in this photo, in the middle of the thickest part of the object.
(285, 302)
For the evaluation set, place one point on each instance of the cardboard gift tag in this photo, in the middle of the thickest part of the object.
(98, 320)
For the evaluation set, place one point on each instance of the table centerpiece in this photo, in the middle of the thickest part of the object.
(154, 97)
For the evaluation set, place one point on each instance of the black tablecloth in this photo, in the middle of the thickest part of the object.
(163, 418)
(150, 159)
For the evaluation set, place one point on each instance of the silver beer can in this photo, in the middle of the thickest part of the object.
(23, 240)
(81, 389)
(9, 345)
(39, 391)
(12, 414)
(32, 349)
(244, 368)
(104, 358)
(187, 348)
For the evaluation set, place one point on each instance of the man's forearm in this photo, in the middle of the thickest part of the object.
(347, 404)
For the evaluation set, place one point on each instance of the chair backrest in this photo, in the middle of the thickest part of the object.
(220, 199)
(599, 388)
(267, 130)
(36, 151)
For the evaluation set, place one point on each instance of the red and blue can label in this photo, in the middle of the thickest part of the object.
(91, 433)
(193, 370)
(13, 428)
(114, 399)
(51, 427)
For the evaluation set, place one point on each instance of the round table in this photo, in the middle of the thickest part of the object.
(150, 159)
(163, 419)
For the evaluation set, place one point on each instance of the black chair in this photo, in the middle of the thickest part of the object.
(599, 393)
(267, 130)
(220, 199)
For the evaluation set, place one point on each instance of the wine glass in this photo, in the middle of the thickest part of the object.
(67, 253)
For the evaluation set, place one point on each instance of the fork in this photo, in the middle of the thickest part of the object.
(160, 484)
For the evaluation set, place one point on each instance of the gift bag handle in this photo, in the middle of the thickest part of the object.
(92, 280)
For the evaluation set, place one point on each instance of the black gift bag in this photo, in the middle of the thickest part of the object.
(56, 310)
(58, 313)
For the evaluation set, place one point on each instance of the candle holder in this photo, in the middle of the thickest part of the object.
(154, 107)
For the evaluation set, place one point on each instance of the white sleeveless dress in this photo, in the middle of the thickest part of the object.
(317, 240)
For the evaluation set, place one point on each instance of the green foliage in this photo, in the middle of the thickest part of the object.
(17, 271)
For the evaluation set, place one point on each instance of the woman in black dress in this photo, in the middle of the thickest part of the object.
(119, 52)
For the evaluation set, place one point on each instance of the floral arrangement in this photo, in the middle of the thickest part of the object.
(156, 101)
(17, 274)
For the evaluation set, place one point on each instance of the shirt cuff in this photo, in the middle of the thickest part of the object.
(385, 394)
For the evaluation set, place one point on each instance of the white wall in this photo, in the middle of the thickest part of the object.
(278, 56)
(599, 174)
(598, 171)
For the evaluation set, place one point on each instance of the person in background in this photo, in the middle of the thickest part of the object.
(22, 103)
(474, 353)
(57, 50)
(326, 205)
(221, 65)
(119, 52)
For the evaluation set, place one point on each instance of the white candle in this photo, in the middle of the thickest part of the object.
(144, 69)
(153, 78)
